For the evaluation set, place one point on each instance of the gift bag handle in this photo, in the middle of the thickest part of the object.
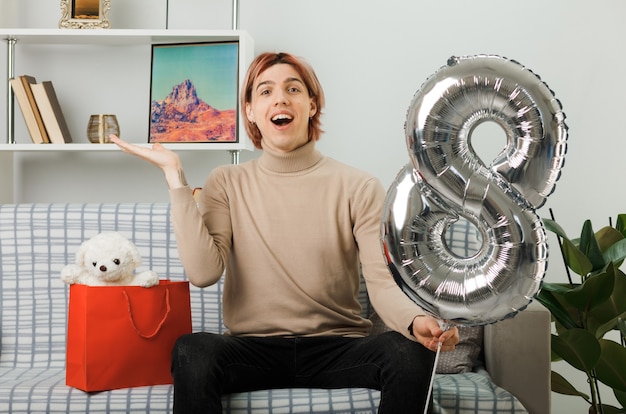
(158, 328)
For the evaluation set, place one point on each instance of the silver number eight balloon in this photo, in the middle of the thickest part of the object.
(447, 181)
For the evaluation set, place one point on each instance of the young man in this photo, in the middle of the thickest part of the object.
(293, 230)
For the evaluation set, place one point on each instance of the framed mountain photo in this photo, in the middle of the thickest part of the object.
(193, 92)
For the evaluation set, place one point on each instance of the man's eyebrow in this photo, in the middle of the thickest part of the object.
(288, 80)
(267, 82)
(294, 79)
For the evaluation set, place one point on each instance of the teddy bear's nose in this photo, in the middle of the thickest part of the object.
(103, 268)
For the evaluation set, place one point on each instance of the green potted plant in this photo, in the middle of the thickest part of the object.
(589, 311)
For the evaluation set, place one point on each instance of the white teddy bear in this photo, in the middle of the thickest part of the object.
(108, 259)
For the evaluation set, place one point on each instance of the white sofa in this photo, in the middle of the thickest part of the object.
(38, 240)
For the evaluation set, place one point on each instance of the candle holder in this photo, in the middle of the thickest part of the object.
(101, 126)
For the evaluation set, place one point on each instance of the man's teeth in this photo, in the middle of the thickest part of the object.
(281, 117)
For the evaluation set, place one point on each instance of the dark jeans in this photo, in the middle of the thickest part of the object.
(205, 366)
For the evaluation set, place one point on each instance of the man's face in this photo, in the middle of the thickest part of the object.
(281, 108)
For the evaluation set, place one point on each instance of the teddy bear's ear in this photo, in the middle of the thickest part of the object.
(133, 252)
(80, 254)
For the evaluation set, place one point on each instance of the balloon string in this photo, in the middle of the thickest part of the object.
(444, 325)
(432, 378)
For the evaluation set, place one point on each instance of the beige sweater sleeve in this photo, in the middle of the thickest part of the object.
(202, 255)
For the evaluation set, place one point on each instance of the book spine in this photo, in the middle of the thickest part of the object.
(28, 110)
(51, 112)
(27, 81)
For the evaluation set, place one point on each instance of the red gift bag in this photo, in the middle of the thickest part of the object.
(123, 336)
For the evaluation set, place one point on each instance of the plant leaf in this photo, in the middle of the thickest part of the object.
(620, 225)
(595, 290)
(575, 259)
(621, 397)
(602, 330)
(609, 409)
(612, 308)
(621, 325)
(578, 347)
(608, 236)
(589, 246)
(548, 297)
(554, 357)
(554, 227)
(562, 386)
(611, 367)
(616, 253)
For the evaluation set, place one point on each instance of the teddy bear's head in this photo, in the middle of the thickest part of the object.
(109, 256)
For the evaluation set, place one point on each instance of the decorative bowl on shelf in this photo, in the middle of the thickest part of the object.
(101, 126)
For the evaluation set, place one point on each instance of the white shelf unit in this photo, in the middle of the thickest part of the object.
(122, 38)
(108, 40)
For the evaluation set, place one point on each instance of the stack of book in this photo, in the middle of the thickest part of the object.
(41, 110)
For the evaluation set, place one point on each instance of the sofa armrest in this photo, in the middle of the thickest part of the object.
(517, 356)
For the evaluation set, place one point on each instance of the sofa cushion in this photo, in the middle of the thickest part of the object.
(472, 393)
(303, 400)
(465, 355)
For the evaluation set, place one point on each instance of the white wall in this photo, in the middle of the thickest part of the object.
(371, 57)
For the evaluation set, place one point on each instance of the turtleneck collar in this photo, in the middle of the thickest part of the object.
(297, 160)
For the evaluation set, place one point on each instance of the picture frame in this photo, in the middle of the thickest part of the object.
(194, 89)
(85, 14)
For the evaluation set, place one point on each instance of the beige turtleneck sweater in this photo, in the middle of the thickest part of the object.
(290, 230)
